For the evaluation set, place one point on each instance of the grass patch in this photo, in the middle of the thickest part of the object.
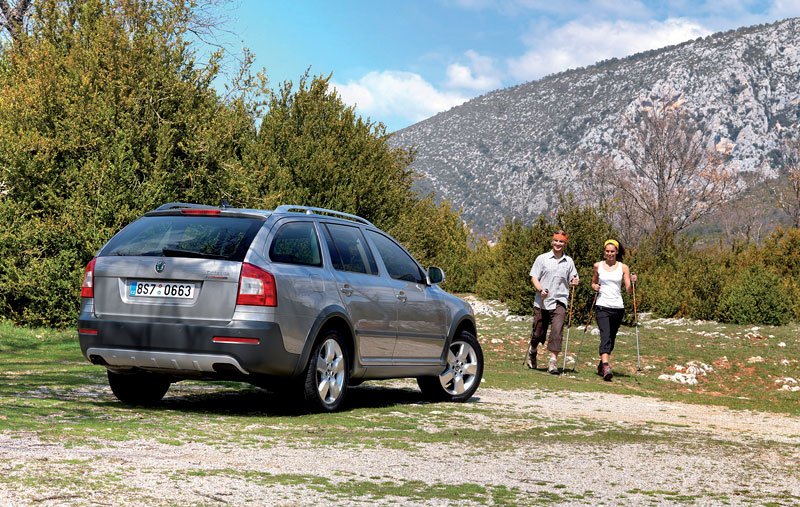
(750, 364)
(378, 488)
(47, 387)
(49, 390)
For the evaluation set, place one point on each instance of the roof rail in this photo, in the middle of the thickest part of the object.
(181, 205)
(308, 210)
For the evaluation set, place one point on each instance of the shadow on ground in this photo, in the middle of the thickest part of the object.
(251, 401)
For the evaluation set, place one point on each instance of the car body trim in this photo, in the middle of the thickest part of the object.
(147, 359)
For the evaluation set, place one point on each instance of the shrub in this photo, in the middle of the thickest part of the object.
(784, 257)
(703, 275)
(757, 296)
(657, 292)
(508, 276)
(436, 236)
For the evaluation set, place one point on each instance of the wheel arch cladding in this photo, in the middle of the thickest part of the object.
(332, 317)
(462, 322)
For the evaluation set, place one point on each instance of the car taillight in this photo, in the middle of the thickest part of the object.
(256, 287)
(200, 212)
(87, 287)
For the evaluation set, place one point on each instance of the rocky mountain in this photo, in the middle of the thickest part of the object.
(510, 152)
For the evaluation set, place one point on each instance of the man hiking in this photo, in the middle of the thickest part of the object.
(551, 274)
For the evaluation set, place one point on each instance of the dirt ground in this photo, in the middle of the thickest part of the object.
(678, 455)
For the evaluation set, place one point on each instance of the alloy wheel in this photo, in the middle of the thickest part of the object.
(330, 371)
(462, 369)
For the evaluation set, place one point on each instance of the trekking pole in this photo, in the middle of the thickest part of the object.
(569, 325)
(586, 328)
(636, 319)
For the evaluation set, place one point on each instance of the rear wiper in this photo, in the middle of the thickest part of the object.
(176, 252)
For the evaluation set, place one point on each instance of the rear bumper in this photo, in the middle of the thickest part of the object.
(244, 347)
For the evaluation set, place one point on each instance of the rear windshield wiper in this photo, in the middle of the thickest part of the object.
(176, 252)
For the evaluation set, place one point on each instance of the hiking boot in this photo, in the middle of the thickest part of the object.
(600, 368)
(531, 359)
(552, 367)
(607, 373)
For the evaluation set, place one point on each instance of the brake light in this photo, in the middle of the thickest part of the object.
(200, 211)
(87, 286)
(256, 287)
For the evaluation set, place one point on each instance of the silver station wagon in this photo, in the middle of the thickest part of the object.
(297, 299)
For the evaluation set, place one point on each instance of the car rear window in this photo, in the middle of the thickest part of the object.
(204, 237)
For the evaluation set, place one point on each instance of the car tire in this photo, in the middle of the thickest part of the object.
(138, 388)
(462, 374)
(327, 373)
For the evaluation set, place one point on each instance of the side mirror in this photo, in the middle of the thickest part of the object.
(435, 275)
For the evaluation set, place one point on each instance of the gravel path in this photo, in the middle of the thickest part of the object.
(678, 454)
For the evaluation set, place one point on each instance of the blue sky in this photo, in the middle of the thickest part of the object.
(400, 62)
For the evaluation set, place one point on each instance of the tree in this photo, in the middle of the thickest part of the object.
(602, 190)
(787, 191)
(103, 114)
(436, 236)
(666, 172)
(12, 17)
(313, 149)
(745, 220)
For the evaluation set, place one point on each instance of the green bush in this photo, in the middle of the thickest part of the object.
(682, 281)
(757, 296)
(436, 236)
(508, 279)
(784, 258)
(705, 276)
(657, 292)
(485, 258)
(508, 276)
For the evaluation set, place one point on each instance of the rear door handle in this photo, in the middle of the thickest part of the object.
(402, 296)
(347, 290)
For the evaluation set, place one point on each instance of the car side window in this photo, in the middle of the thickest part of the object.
(349, 250)
(399, 264)
(296, 243)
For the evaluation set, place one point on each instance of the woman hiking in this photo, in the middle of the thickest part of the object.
(609, 275)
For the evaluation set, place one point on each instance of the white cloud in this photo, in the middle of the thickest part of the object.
(785, 9)
(404, 95)
(576, 44)
(480, 74)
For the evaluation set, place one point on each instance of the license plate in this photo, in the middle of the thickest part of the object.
(161, 290)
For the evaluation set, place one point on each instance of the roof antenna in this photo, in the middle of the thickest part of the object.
(224, 203)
